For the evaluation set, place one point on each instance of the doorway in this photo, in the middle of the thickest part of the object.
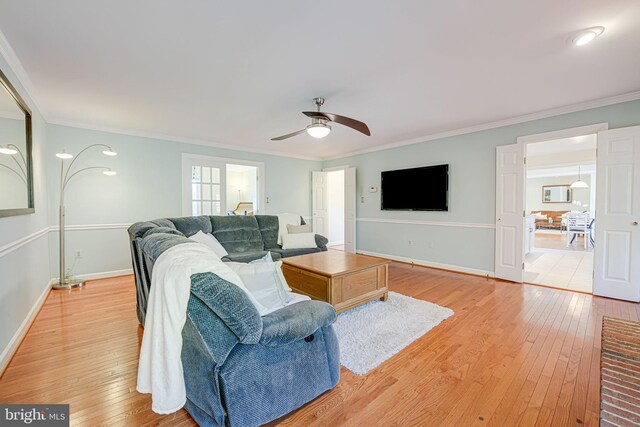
(221, 186)
(560, 182)
(335, 209)
(334, 206)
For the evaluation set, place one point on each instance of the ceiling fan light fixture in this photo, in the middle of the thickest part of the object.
(318, 130)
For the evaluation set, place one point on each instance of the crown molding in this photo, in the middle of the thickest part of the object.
(7, 52)
(572, 108)
(173, 138)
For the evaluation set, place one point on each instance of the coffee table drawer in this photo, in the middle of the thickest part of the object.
(306, 282)
(360, 283)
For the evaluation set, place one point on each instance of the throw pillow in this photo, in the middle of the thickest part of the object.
(266, 258)
(283, 281)
(262, 281)
(299, 241)
(283, 220)
(297, 229)
(211, 241)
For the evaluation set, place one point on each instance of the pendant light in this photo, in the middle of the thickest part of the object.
(579, 183)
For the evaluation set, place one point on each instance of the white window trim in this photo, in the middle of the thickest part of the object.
(188, 158)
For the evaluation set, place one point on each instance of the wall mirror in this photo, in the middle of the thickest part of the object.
(16, 174)
(556, 194)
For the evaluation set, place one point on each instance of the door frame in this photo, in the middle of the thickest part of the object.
(344, 168)
(186, 174)
(547, 136)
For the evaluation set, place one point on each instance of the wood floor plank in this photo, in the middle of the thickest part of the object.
(510, 354)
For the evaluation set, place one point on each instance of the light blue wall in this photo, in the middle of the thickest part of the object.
(471, 189)
(147, 186)
(24, 271)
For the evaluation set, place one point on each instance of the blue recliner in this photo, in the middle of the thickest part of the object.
(241, 369)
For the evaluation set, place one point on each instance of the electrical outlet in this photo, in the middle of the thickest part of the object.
(410, 242)
(78, 254)
(361, 199)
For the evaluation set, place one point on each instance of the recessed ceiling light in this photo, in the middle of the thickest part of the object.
(586, 36)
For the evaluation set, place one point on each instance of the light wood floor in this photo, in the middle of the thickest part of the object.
(511, 354)
(556, 240)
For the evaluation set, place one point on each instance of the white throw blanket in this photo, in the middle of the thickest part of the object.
(283, 220)
(160, 366)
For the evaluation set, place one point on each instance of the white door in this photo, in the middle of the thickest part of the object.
(509, 254)
(319, 194)
(204, 188)
(617, 240)
(350, 210)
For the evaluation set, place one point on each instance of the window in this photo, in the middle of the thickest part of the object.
(219, 186)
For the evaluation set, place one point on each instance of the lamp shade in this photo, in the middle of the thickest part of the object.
(579, 183)
(8, 151)
(64, 156)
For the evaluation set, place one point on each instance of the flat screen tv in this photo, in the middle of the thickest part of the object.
(416, 189)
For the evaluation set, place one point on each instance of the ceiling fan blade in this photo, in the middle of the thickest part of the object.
(289, 135)
(346, 121)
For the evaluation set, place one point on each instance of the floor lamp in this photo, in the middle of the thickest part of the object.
(64, 282)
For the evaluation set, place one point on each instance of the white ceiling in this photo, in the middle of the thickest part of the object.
(239, 73)
(564, 145)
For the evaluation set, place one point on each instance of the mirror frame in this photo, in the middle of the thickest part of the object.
(558, 185)
(27, 118)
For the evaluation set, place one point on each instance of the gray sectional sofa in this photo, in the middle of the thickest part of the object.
(241, 369)
(245, 238)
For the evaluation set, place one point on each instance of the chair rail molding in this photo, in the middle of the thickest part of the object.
(431, 223)
(82, 227)
(16, 244)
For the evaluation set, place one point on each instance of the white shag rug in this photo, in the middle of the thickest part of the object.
(372, 333)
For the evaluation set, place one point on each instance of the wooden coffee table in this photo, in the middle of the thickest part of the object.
(342, 279)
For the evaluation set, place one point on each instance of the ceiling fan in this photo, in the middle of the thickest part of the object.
(319, 127)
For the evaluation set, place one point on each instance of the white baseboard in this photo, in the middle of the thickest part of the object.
(15, 342)
(458, 268)
(94, 276)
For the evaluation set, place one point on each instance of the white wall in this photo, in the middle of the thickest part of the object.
(244, 179)
(534, 194)
(335, 207)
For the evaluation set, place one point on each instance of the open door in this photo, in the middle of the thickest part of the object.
(509, 254)
(350, 210)
(319, 194)
(617, 242)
